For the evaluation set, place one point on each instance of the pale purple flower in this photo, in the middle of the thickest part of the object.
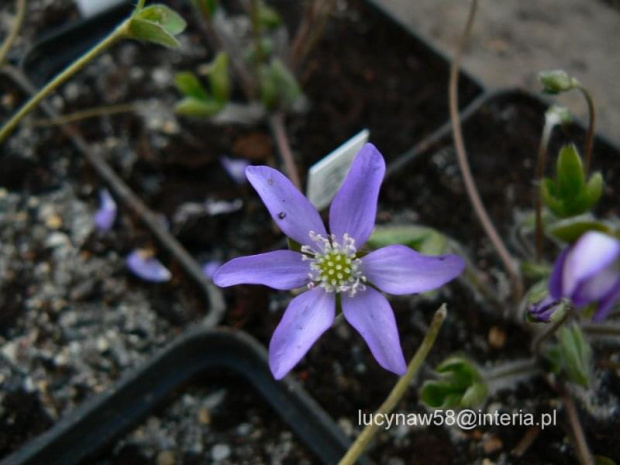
(588, 272)
(145, 266)
(329, 265)
(106, 215)
(235, 167)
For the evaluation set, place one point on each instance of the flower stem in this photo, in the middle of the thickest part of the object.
(276, 122)
(81, 115)
(140, 5)
(540, 171)
(118, 33)
(583, 451)
(369, 432)
(470, 185)
(14, 32)
(538, 342)
(508, 374)
(591, 126)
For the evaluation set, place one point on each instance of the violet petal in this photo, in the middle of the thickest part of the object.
(307, 317)
(370, 314)
(354, 207)
(145, 266)
(281, 269)
(106, 215)
(291, 211)
(556, 288)
(591, 254)
(607, 303)
(397, 269)
(598, 287)
(235, 167)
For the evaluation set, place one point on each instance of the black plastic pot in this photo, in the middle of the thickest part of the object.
(197, 353)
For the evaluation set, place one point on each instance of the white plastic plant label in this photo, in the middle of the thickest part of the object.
(89, 8)
(326, 176)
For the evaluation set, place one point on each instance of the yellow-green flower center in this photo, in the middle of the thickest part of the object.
(334, 266)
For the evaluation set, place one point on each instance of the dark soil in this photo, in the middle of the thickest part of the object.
(74, 320)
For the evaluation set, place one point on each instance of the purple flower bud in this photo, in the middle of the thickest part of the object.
(588, 272)
(235, 168)
(544, 309)
(145, 266)
(106, 215)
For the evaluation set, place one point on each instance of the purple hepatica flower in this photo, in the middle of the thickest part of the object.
(588, 272)
(145, 266)
(106, 215)
(329, 265)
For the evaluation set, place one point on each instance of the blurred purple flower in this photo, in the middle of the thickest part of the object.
(210, 268)
(145, 266)
(329, 265)
(588, 272)
(544, 309)
(106, 215)
(235, 167)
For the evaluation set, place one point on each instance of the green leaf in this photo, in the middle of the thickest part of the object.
(150, 32)
(421, 238)
(547, 193)
(189, 85)
(535, 270)
(601, 460)
(286, 83)
(594, 188)
(219, 77)
(157, 24)
(268, 17)
(268, 87)
(557, 81)
(569, 230)
(193, 107)
(165, 17)
(570, 174)
(575, 354)
(459, 384)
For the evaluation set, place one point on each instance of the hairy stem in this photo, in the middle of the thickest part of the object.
(591, 126)
(470, 185)
(370, 431)
(14, 32)
(538, 342)
(276, 122)
(511, 371)
(119, 33)
(106, 110)
(579, 438)
(540, 171)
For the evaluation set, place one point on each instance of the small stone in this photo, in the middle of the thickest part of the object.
(497, 337)
(220, 452)
(165, 458)
(204, 417)
(53, 222)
